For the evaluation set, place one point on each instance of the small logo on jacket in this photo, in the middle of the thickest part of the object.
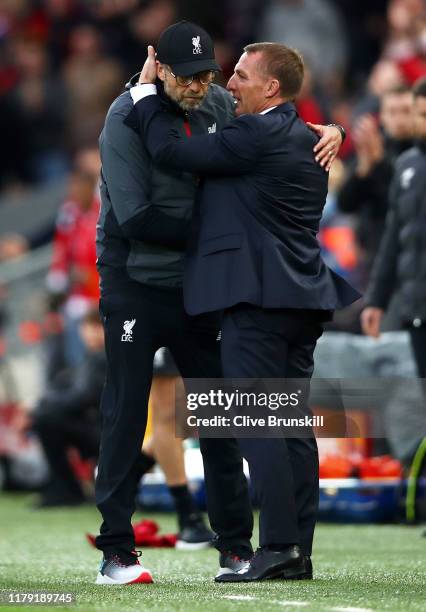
(212, 129)
(407, 177)
(197, 45)
(128, 331)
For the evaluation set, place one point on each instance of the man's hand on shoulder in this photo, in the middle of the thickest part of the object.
(327, 148)
(149, 71)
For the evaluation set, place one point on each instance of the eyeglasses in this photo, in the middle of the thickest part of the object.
(205, 78)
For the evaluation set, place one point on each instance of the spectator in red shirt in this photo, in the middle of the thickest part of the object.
(73, 271)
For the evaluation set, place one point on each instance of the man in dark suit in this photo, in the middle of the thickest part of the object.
(254, 254)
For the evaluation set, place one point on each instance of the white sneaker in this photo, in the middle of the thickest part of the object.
(116, 569)
(230, 563)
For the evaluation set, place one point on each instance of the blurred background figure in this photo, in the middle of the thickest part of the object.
(15, 244)
(39, 105)
(66, 418)
(315, 28)
(88, 70)
(400, 266)
(378, 141)
(385, 76)
(145, 23)
(406, 44)
(42, 104)
(72, 279)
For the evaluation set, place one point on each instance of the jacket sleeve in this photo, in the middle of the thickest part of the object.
(232, 151)
(128, 185)
(371, 191)
(383, 277)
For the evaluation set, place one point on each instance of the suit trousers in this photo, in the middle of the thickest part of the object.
(135, 327)
(277, 343)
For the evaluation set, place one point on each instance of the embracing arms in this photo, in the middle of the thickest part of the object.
(126, 175)
(234, 150)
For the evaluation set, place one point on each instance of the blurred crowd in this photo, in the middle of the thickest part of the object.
(64, 61)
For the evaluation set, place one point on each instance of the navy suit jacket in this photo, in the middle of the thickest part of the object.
(257, 214)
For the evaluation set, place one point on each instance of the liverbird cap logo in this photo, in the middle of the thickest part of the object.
(197, 45)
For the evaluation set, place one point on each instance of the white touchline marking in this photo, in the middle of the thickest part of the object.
(351, 609)
(268, 601)
(291, 603)
(240, 597)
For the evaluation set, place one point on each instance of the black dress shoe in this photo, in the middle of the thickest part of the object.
(266, 564)
(303, 571)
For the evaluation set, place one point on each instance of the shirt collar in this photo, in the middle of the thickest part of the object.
(267, 110)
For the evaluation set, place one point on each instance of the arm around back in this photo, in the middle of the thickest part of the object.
(232, 151)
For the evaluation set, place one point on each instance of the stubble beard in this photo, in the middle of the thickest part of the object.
(185, 105)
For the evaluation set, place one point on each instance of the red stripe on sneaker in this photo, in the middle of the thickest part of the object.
(144, 578)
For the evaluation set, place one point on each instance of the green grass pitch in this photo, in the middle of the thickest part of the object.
(357, 568)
